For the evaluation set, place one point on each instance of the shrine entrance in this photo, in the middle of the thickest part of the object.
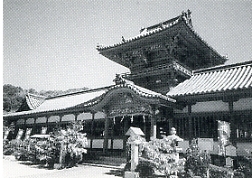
(126, 106)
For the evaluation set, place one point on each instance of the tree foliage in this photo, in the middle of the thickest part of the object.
(14, 96)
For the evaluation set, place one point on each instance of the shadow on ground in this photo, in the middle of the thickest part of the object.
(35, 165)
(117, 172)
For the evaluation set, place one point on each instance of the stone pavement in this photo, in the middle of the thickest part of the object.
(18, 169)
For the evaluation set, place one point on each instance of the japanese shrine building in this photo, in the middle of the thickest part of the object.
(176, 80)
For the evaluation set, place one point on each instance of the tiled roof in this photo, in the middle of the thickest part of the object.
(63, 102)
(216, 79)
(159, 28)
(147, 32)
(87, 98)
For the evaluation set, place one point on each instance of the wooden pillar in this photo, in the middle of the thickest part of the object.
(34, 128)
(170, 116)
(153, 122)
(112, 133)
(76, 116)
(198, 125)
(92, 130)
(190, 122)
(25, 122)
(207, 126)
(47, 123)
(183, 127)
(170, 122)
(60, 120)
(232, 122)
(230, 100)
(144, 126)
(178, 126)
(106, 131)
(125, 129)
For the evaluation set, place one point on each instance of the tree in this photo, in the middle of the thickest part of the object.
(12, 97)
(6, 103)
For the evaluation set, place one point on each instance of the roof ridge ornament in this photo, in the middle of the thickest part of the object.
(187, 17)
(119, 80)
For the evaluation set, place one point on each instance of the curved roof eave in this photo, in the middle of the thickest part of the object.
(78, 102)
(144, 95)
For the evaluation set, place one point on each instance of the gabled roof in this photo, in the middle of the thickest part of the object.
(32, 101)
(223, 78)
(86, 99)
(144, 92)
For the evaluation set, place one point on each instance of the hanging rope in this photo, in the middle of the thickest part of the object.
(132, 118)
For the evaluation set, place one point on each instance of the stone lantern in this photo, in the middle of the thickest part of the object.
(134, 140)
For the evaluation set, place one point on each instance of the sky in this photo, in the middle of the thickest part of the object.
(51, 44)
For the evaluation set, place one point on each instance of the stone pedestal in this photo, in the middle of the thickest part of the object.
(62, 154)
(229, 162)
(134, 155)
(129, 174)
(173, 176)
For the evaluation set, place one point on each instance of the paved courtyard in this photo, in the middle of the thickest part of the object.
(19, 169)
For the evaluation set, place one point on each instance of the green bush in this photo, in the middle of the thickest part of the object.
(220, 172)
(160, 155)
(197, 161)
(146, 169)
(46, 150)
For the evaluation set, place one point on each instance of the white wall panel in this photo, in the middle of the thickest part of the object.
(210, 106)
(243, 104)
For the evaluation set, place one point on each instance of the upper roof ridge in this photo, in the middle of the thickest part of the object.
(35, 95)
(154, 29)
(184, 16)
(223, 67)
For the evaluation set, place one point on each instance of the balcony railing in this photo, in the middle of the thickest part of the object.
(157, 70)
